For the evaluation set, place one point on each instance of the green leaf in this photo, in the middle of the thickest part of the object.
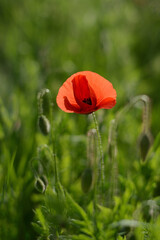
(121, 238)
(74, 208)
(42, 220)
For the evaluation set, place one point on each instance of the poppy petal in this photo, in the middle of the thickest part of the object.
(80, 89)
(107, 103)
(102, 87)
(93, 96)
(70, 107)
(85, 92)
(84, 95)
(66, 90)
(65, 104)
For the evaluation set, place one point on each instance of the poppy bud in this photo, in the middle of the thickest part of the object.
(51, 237)
(36, 166)
(39, 185)
(45, 180)
(45, 157)
(86, 180)
(145, 142)
(44, 102)
(44, 124)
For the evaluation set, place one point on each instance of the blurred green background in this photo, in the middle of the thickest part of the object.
(41, 44)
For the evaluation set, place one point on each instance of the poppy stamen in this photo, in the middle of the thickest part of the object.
(87, 101)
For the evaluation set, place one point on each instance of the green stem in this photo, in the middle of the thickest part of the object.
(133, 101)
(95, 199)
(112, 141)
(95, 210)
(52, 130)
(57, 183)
(92, 157)
(112, 152)
(101, 168)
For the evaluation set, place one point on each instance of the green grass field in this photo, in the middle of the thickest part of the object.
(50, 184)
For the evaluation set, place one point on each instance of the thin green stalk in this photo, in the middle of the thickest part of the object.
(112, 152)
(101, 167)
(113, 138)
(95, 198)
(52, 131)
(92, 158)
(133, 101)
(57, 182)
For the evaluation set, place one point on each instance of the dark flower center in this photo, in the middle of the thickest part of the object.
(87, 101)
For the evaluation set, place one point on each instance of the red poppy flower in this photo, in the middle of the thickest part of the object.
(86, 92)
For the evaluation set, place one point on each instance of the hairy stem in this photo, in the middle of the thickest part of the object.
(101, 166)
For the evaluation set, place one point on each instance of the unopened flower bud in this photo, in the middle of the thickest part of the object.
(86, 180)
(145, 142)
(36, 166)
(44, 124)
(44, 102)
(45, 180)
(45, 156)
(39, 185)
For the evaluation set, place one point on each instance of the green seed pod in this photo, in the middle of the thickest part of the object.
(44, 124)
(39, 185)
(44, 102)
(145, 142)
(86, 180)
